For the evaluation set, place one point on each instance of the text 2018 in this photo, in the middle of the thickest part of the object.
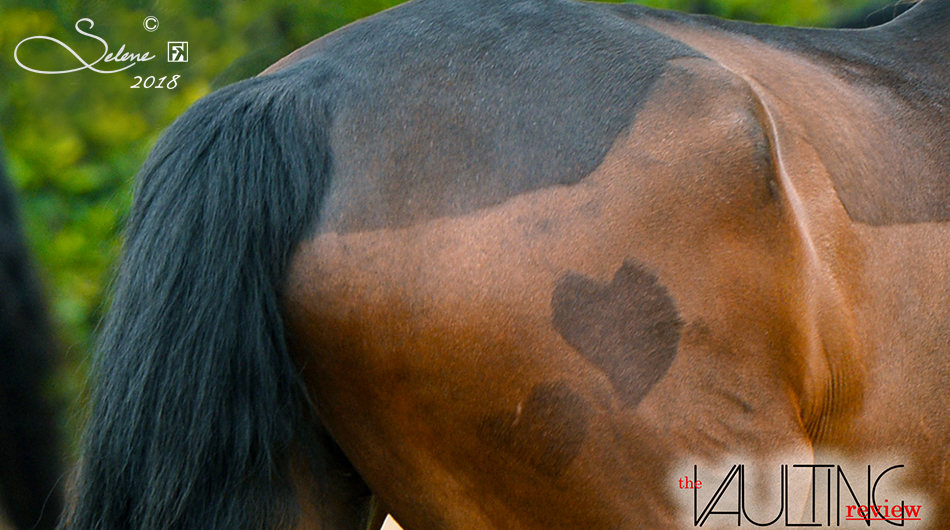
(149, 82)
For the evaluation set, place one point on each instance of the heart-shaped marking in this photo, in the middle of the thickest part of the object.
(628, 328)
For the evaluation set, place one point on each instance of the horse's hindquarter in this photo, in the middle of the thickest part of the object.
(546, 358)
(561, 348)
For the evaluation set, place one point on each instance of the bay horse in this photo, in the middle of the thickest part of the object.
(529, 264)
(30, 463)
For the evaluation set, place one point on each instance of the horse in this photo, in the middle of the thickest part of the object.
(531, 264)
(30, 467)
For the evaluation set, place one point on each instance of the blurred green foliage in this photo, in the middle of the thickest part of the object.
(74, 141)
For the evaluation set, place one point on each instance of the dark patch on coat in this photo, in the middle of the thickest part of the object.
(453, 106)
(548, 432)
(628, 328)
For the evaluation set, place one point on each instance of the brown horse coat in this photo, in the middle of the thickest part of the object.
(541, 264)
(757, 265)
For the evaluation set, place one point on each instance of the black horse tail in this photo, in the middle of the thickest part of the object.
(196, 401)
(30, 465)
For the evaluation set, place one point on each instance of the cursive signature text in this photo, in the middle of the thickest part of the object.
(120, 56)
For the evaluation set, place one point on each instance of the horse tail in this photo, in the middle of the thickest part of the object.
(30, 466)
(196, 402)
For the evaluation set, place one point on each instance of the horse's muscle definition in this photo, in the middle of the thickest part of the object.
(499, 264)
